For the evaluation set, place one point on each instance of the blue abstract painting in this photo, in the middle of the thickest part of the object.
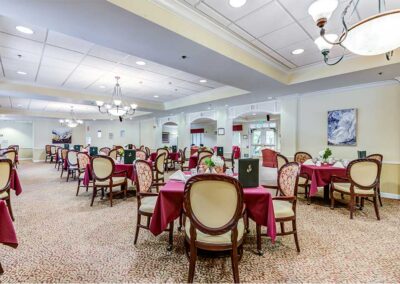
(342, 125)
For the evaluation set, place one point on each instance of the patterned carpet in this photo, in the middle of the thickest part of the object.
(63, 239)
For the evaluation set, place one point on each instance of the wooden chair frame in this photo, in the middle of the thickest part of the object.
(354, 195)
(13, 162)
(304, 185)
(378, 157)
(191, 244)
(110, 186)
(72, 168)
(105, 150)
(159, 174)
(7, 188)
(81, 171)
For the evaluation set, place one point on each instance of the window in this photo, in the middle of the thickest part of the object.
(263, 135)
(197, 138)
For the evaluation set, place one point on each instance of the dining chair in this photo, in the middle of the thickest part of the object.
(64, 153)
(140, 155)
(6, 169)
(103, 169)
(214, 208)
(167, 159)
(159, 169)
(105, 150)
(281, 160)
(362, 181)
(379, 158)
(304, 179)
(53, 151)
(12, 156)
(16, 148)
(113, 154)
(285, 203)
(183, 163)
(47, 150)
(58, 159)
(146, 199)
(83, 161)
(72, 162)
(147, 150)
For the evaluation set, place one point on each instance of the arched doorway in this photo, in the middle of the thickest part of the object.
(254, 131)
(169, 134)
(203, 132)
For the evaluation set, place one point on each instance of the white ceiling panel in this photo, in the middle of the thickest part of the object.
(20, 43)
(232, 13)
(21, 56)
(19, 103)
(37, 105)
(297, 8)
(279, 39)
(107, 53)
(62, 54)
(8, 25)
(5, 102)
(68, 42)
(267, 19)
(83, 76)
(239, 31)
(214, 14)
(52, 76)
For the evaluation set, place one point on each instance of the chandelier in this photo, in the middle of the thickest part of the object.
(71, 122)
(117, 107)
(378, 34)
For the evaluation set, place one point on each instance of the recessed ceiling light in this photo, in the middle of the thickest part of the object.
(270, 98)
(102, 87)
(21, 73)
(24, 30)
(297, 51)
(141, 63)
(156, 96)
(203, 81)
(237, 3)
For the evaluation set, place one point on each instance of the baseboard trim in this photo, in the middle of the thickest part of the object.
(390, 195)
(24, 159)
(37, 161)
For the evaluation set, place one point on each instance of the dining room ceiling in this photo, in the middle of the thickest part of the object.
(278, 27)
(53, 59)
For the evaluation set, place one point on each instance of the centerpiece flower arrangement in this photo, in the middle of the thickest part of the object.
(325, 154)
(215, 164)
(121, 152)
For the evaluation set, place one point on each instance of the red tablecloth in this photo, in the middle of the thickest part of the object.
(321, 176)
(172, 156)
(14, 182)
(170, 202)
(193, 161)
(7, 232)
(118, 167)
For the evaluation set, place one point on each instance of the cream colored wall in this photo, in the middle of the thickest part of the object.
(150, 133)
(18, 133)
(378, 126)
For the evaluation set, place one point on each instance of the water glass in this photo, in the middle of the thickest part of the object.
(193, 172)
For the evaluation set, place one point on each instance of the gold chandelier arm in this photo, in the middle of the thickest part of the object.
(326, 58)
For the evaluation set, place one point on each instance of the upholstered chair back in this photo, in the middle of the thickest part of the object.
(140, 155)
(83, 160)
(288, 178)
(281, 161)
(364, 172)
(113, 154)
(182, 156)
(14, 147)
(204, 154)
(47, 149)
(213, 203)
(64, 153)
(102, 167)
(147, 150)
(144, 176)
(377, 157)
(72, 157)
(160, 161)
(161, 151)
(301, 157)
(53, 149)
(5, 173)
(105, 150)
(11, 155)
(59, 151)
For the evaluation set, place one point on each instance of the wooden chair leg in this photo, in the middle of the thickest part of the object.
(351, 206)
(282, 227)
(110, 195)
(62, 171)
(1, 269)
(192, 262)
(68, 174)
(332, 201)
(376, 208)
(258, 230)
(94, 195)
(378, 189)
(79, 185)
(235, 266)
(138, 220)
(296, 240)
(8, 202)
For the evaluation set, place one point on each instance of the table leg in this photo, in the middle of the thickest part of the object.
(258, 229)
(171, 236)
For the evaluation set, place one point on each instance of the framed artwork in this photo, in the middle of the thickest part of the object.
(221, 131)
(62, 135)
(342, 127)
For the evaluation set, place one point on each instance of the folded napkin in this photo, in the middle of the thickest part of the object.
(309, 162)
(338, 165)
(179, 175)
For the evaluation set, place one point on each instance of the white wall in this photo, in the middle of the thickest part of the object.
(130, 128)
(210, 138)
(173, 134)
(16, 132)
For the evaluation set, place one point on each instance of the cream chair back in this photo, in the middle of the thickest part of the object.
(53, 149)
(140, 155)
(377, 157)
(281, 161)
(213, 203)
(11, 155)
(288, 178)
(113, 154)
(301, 157)
(364, 172)
(144, 176)
(160, 162)
(5, 174)
(72, 158)
(161, 151)
(102, 167)
(64, 153)
(83, 160)
(203, 154)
